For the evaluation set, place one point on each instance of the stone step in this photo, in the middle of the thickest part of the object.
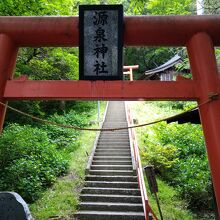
(111, 162)
(121, 158)
(115, 127)
(111, 178)
(107, 206)
(113, 146)
(118, 135)
(117, 149)
(111, 172)
(115, 122)
(107, 150)
(112, 154)
(109, 184)
(110, 121)
(111, 167)
(113, 118)
(110, 198)
(114, 133)
(109, 215)
(108, 145)
(111, 191)
(116, 141)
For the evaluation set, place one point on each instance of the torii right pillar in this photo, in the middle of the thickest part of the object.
(205, 73)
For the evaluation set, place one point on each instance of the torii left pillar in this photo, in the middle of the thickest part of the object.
(8, 55)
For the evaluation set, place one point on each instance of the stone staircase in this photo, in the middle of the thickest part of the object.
(111, 188)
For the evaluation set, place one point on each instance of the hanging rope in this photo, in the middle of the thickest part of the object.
(212, 97)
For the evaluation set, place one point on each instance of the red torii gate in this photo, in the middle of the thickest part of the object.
(198, 33)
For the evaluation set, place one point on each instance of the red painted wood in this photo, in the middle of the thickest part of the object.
(8, 54)
(105, 90)
(204, 69)
(138, 31)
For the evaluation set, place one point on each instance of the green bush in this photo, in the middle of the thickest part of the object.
(162, 157)
(28, 161)
(65, 137)
(179, 155)
(30, 107)
(188, 138)
(193, 182)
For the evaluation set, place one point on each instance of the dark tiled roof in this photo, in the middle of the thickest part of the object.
(174, 60)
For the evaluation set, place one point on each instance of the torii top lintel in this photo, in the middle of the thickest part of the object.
(138, 30)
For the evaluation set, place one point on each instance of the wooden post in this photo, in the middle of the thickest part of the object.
(8, 54)
(205, 72)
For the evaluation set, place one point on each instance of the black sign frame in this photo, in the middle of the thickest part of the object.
(82, 9)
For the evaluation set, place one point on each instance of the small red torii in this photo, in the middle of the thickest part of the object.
(128, 70)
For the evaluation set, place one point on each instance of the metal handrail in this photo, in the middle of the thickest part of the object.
(137, 159)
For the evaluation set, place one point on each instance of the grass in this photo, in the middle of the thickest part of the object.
(147, 114)
(61, 200)
(173, 208)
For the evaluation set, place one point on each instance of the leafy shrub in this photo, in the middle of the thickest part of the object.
(188, 138)
(179, 155)
(193, 182)
(30, 107)
(28, 161)
(65, 137)
(162, 157)
(84, 106)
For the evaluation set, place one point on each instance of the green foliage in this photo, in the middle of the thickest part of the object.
(179, 155)
(177, 151)
(31, 158)
(62, 199)
(28, 162)
(172, 206)
(65, 137)
(17, 7)
(212, 7)
(172, 7)
(48, 63)
(188, 138)
(158, 7)
(175, 105)
(162, 157)
(36, 7)
(30, 107)
(194, 183)
(152, 57)
(84, 107)
(217, 53)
